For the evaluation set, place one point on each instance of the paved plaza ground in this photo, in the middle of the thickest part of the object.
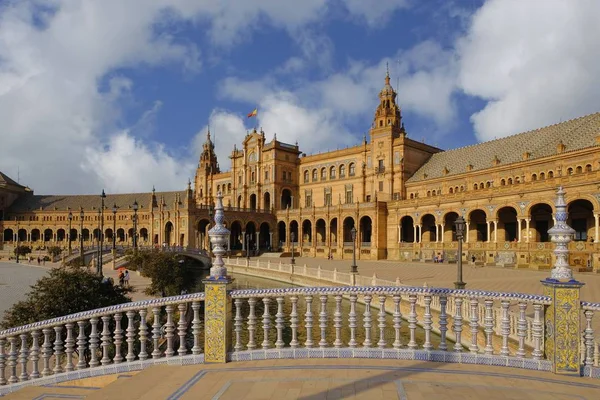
(316, 379)
(444, 275)
(15, 281)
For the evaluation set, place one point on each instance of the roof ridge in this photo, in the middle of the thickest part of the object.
(522, 133)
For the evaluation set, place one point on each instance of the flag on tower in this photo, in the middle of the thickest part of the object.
(253, 113)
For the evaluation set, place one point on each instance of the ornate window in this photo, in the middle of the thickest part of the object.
(314, 175)
(342, 171)
(252, 157)
(351, 169)
(550, 174)
(588, 168)
(305, 176)
(323, 174)
(332, 173)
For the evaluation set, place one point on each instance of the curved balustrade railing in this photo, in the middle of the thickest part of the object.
(125, 333)
(296, 322)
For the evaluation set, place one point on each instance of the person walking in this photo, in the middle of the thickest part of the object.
(126, 278)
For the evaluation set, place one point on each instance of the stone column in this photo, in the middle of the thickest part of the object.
(467, 231)
(243, 240)
(527, 221)
(271, 239)
(399, 233)
(519, 230)
(495, 231)
(562, 344)
(218, 304)
(415, 239)
(489, 232)
(596, 218)
(442, 233)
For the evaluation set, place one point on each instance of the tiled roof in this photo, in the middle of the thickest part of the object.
(575, 134)
(5, 180)
(92, 202)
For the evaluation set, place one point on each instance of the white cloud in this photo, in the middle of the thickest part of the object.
(534, 64)
(130, 165)
(375, 12)
(335, 112)
(59, 123)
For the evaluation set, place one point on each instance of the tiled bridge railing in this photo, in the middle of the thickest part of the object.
(276, 323)
(335, 278)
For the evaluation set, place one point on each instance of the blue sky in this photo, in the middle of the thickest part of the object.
(118, 95)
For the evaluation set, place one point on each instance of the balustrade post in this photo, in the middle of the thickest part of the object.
(58, 350)
(105, 340)
(458, 321)
(182, 329)
(196, 323)
(23, 354)
(489, 326)
(279, 323)
(367, 320)
(94, 343)
(589, 339)
(427, 322)
(323, 321)
(562, 344)
(12, 360)
(69, 347)
(294, 322)
(251, 323)
(118, 338)
(156, 332)
(352, 320)
(218, 312)
(337, 321)
(443, 322)
(130, 336)
(381, 320)
(308, 322)
(412, 321)
(538, 330)
(397, 321)
(474, 320)
(34, 356)
(266, 344)
(238, 324)
(3, 361)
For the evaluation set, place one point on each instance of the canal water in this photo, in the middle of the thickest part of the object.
(247, 282)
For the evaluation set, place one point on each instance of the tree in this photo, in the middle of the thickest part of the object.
(66, 290)
(54, 251)
(22, 250)
(169, 273)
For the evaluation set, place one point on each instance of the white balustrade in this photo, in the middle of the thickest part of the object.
(78, 341)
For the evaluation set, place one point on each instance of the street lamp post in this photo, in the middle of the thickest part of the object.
(135, 208)
(81, 215)
(114, 234)
(353, 267)
(460, 230)
(293, 237)
(17, 221)
(102, 196)
(98, 242)
(70, 221)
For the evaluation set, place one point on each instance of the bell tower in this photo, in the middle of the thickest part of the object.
(388, 114)
(207, 167)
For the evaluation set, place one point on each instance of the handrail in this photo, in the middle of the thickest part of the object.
(132, 306)
(463, 293)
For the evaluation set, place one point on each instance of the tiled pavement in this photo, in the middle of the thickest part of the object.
(444, 275)
(326, 379)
